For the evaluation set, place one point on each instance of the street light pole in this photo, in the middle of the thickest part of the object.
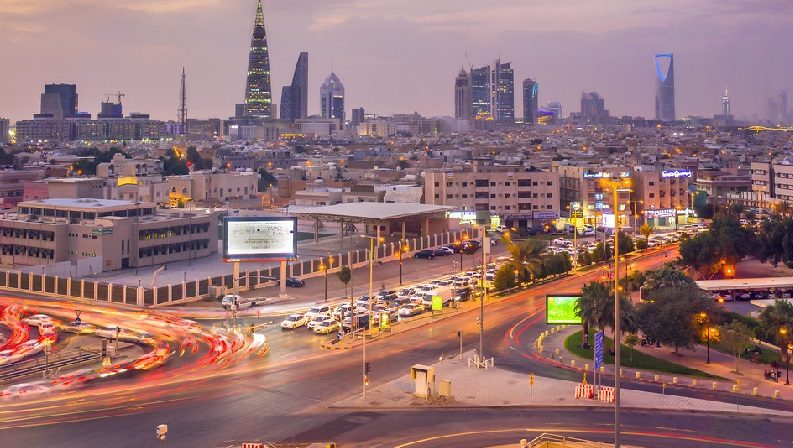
(485, 244)
(369, 316)
(615, 185)
(400, 262)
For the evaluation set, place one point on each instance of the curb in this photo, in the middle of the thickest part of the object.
(549, 407)
(556, 363)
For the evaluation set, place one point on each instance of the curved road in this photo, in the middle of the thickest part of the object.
(285, 395)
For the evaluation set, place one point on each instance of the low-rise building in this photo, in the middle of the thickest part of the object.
(120, 234)
(518, 196)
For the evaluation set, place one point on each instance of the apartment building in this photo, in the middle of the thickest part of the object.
(772, 180)
(514, 195)
(120, 234)
(661, 197)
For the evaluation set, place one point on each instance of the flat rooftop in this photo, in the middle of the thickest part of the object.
(746, 283)
(369, 210)
(89, 204)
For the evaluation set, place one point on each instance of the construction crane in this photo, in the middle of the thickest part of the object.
(118, 95)
(469, 60)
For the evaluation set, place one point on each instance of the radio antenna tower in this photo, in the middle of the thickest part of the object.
(183, 105)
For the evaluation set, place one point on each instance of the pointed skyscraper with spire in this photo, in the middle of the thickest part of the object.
(258, 93)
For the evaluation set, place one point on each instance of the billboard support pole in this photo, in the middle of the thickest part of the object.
(282, 283)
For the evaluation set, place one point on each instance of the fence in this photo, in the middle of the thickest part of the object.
(200, 288)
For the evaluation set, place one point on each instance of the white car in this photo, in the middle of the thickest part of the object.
(327, 326)
(317, 320)
(37, 319)
(411, 309)
(294, 321)
(47, 329)
(317, 311)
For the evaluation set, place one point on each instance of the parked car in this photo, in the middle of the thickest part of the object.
(294, 321)
(317, 310)
(316, 320)
(326, 327)
(294, 282)
(427, 254)
(443, 251)
(471, 244)
(411, 309)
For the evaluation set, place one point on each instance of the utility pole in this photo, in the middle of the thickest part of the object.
(485, 244)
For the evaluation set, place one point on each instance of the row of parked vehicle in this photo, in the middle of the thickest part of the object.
(393, 305)
(450, 249)
(745, 295)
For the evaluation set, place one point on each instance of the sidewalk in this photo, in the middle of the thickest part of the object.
(472, 386)
(551, 347)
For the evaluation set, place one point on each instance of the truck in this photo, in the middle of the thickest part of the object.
(230, 299)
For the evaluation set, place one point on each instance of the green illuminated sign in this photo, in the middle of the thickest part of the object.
(560, 309)
(437, 303)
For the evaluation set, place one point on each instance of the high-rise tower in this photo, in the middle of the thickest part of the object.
(258, 94)
(331, 97)
(480, 91)
(725, 103)
(665, 87)
(463, 102)
(530, 105)
(294, 97)
(502, 84)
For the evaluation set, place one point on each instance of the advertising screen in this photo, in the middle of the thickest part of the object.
(560, 309)
(259, 238)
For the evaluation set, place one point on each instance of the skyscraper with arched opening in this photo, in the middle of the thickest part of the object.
(665, 87)
(258, 93)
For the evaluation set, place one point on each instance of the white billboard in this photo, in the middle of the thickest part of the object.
(259, 238)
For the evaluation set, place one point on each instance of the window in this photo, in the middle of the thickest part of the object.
(465, 196)
(437, 196)
(524, 183)
(465, 184)
(550, 195)
(449, 196)
(534, 184)
(524, 194)
(534, 195)
(448, 184)
(652, 183)
(524, 206)
(506, 207)
(481, 183)
(437, 184)
(548, 207)
(506, 195)
(652, 195)
(550, 183)
(481, 195)
(492, 184)
(507, 184)
(492, 195)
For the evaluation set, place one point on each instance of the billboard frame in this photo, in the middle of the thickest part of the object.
(258, 258)
(547, 309)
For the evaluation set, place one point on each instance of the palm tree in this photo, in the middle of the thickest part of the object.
(783, 208)
(646, 231)
(590, 306)
(526, 259)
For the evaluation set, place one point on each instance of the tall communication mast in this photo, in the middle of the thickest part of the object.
(183, 105)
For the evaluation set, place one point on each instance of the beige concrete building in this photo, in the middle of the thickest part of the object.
(12, 185)
(118, 234)
(518, 196)
(120, 166)
(661, 197)
(772, 181)
(207, 186)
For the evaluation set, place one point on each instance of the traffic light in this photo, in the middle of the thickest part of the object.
(367, 368)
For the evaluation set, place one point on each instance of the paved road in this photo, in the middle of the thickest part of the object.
(285, 395)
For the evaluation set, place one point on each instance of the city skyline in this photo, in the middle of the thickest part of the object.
(207, 37)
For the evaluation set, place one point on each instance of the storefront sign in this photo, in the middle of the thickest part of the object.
(676, 173)
(545, 215)
(605, 174)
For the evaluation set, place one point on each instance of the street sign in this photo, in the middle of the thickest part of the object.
(78, 321)
(598, 349)
(385, 320)
(437, 303)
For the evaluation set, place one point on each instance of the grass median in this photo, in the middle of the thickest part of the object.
(631, 358)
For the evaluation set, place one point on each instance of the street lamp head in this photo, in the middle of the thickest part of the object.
(783, 331)
(703, 314)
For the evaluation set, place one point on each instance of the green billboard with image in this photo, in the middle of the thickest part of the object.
(560, 309)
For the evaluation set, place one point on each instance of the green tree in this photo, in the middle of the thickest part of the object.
(625, 243)
(173, 164)
(504, 278)
(736, 335)
(783, 208)
(554, 264)
(700, 253)
(776, 323)
(92, 157)
(526, 259)
(266, 180)
(195, 161)
(596, 308)
(774, 242)
(668, 314)
(345, 275)
(641, 244)
(646, 231)
(632, 341)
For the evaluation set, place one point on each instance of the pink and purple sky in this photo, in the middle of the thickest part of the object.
(396, 55)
